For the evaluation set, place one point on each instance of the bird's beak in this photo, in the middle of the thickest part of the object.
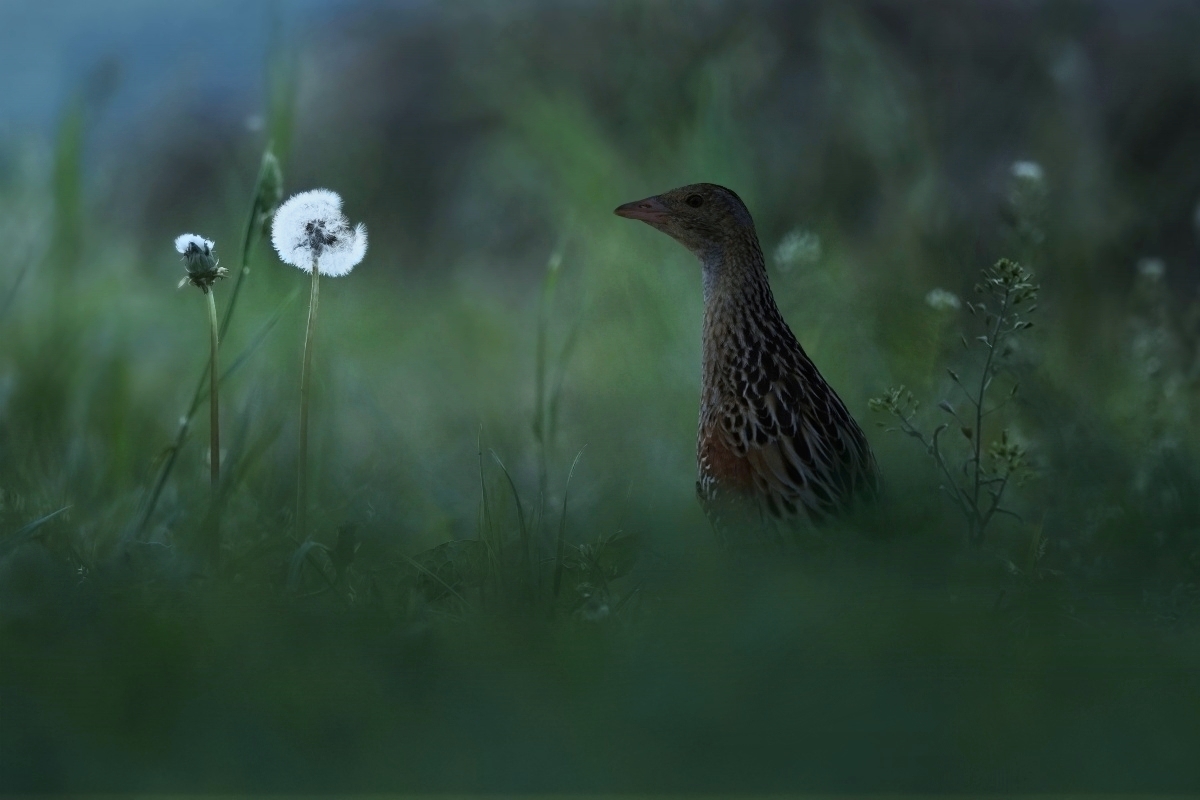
(649, 210)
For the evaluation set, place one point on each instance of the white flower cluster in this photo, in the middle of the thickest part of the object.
(942, 300)
(310, 229)
(1152, 269)
(798, 248)
(1028, 171)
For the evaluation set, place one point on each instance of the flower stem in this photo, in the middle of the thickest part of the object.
(214, 426)
(214, 382)
(305, 376)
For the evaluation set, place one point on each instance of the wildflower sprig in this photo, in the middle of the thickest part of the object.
(977, 487)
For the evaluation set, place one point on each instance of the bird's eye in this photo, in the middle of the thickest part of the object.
(694, 200)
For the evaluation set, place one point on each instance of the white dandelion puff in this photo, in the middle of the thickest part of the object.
(310, 228)
(942, 300)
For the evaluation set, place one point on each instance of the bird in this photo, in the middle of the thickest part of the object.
(775, 441)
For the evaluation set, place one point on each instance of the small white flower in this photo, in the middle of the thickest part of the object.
(310, 226)
(942, 300)
(1152, 269)
(798, 248)
(1028, 171)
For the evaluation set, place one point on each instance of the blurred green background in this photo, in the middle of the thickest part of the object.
(504, 320)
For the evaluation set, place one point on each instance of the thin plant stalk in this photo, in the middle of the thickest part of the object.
(214, 382)
(253, 223)
(560, 549)
(979, 521)
(540, 433)
(305, 376)
(214, 424)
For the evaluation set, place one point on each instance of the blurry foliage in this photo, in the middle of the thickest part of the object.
(464, 622)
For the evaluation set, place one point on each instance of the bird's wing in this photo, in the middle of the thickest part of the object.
(805, 451)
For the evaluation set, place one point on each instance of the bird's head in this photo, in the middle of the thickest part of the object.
(703, 217)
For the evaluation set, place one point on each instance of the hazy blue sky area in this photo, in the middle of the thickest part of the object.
(214, 48)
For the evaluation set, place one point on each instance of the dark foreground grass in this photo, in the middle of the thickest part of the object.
(845, 672)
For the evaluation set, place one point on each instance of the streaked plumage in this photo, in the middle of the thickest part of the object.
(774, 437)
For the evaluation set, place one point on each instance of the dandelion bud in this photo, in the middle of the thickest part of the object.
(198, 259)
(270, 189)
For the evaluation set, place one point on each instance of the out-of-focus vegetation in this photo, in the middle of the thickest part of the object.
(432, 633)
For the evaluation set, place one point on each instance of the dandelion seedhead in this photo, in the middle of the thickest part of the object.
(201, 265)
(310, 231)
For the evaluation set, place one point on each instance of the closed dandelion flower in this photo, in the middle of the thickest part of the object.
(198, 259)
(269, 190)
(203, 272)
(310, 231)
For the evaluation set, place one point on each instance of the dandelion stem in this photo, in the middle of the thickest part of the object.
(214, 382)
(305, 376)
(214, 425)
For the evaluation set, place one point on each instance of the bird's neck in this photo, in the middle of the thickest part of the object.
(737, 294)
(739, 308)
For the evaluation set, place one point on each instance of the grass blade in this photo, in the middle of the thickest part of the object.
(526, 550)
(561, 546)
(27, 532)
